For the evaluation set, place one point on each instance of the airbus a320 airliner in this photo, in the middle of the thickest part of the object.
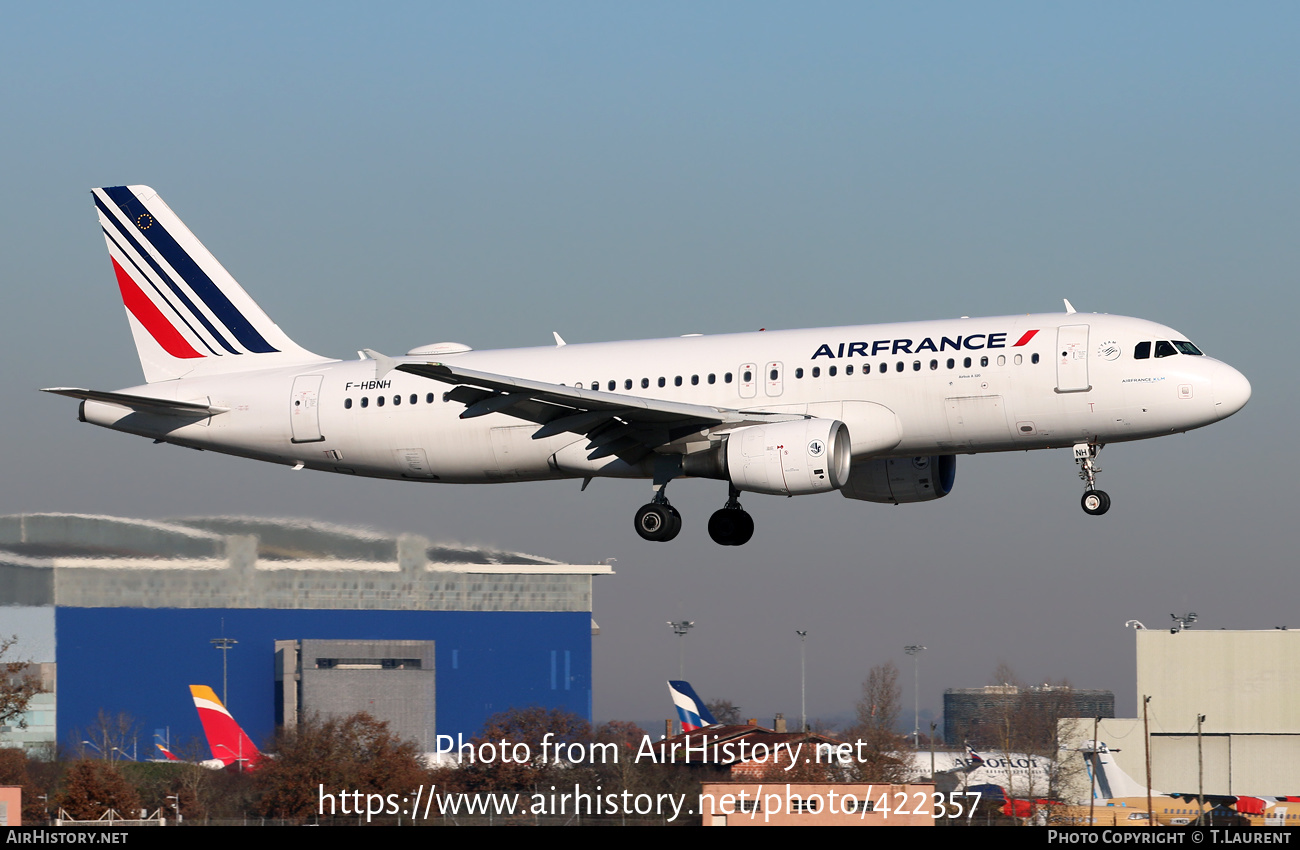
(877, 412)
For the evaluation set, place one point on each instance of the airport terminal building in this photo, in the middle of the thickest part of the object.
(313, 618)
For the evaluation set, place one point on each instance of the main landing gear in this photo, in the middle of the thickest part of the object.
(660, 521)
(732, 525)
(1095, 502)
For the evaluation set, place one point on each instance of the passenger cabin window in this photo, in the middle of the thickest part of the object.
(677, 382)
(965, 364)
(645, 383)
(414, 398)
(627, 385)
(798, 373)
(726, 379)
(365, 401)
(663, 382)
(713, 379)
(984, 361)
(612, 385)
(831, 371)
(429, 398)
(848, 370)
(347, 404)
(817, 372)
(1142, 351)
(380, 401)
(695, 380)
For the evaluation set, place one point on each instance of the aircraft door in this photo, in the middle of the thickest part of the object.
(773, 374)
(304, 409)
(747, 380)
(1072, 359)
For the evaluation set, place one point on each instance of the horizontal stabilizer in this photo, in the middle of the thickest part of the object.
(143, 404)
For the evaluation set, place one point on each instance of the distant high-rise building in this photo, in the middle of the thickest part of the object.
(983, 717)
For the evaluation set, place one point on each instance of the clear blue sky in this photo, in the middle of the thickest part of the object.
(490, 172)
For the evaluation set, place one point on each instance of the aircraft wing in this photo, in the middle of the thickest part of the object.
(624, 425)
(144, 404)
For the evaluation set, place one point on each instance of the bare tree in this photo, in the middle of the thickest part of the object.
(724, 711)
(110, 737)
(1026, 727)
(880, 749)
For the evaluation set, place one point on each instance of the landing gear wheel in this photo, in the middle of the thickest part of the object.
(658, 522)
(1096, 502)
(676, 525)
(731, 527)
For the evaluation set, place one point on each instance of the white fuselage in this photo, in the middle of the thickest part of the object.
(953, 386)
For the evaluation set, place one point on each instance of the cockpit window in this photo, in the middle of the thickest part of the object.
(1165, 349)
(1185, 347)
(1142, 351)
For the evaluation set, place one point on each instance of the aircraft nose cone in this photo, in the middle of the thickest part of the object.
(1231, 392)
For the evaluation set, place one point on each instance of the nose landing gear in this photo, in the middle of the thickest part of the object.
(1095, 502)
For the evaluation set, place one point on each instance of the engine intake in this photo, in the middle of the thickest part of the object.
(790, 458)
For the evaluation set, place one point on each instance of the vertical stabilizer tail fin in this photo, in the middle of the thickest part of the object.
(691, 710)
(230, 745)
(1112, 781)
(188, 315)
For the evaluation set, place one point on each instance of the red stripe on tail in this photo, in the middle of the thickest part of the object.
(148, 314)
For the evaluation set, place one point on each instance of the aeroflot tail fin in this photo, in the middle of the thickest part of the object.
(228, 742)
(187, 314)
(691, 710)
(1111, 780)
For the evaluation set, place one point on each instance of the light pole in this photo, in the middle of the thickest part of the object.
(1200, 773)
(915, 650)
(680, 628)
(224, 644)
(803, 680)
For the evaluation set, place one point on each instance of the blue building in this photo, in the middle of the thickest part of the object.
(139, 607)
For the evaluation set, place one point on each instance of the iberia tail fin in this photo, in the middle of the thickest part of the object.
(187, 314)
(228, 742)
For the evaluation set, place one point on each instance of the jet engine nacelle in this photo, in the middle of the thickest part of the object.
(901, 479)
(790, 458)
